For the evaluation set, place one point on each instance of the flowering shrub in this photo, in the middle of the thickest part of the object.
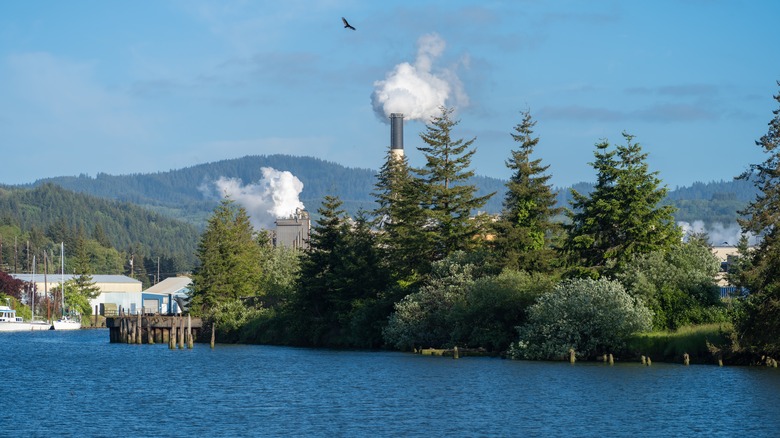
(590, 316)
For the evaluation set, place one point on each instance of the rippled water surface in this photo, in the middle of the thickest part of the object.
(78, 384)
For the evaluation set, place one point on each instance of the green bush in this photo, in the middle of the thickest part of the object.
(591, 316)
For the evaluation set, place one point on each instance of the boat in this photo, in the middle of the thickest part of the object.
(9, 322)
(64, 323)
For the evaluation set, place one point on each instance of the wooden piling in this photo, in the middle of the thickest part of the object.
(649, 362)
(611, 359)
(138, 338)
(181, 332)
(686, 359)
(189, 332)
(572, 357)
(213, 333)
(644, 360)
(455, 354)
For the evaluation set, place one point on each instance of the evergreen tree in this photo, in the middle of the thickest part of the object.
(400, 219)
(81, 288)
(526, 229)
(621, 217)
(229, 258)
(321, 283)
(760, 326)
(447, 200)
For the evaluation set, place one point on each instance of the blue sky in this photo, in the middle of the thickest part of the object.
(152, 85)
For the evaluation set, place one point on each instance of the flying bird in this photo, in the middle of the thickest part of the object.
(346, 24)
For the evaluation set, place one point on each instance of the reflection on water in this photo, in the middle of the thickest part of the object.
(76, 383)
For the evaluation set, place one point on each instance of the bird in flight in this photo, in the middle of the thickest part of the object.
(346, 24)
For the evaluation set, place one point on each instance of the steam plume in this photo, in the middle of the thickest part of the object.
(719, 234)
(274, 196)
(416, 90)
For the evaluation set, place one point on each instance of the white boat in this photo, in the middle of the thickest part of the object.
(9, 322)
(66, 323)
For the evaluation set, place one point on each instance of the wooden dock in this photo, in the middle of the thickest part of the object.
(175, 330)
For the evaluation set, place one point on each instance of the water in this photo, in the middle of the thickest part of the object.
(77, 384)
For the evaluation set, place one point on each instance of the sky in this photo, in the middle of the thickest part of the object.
(119, 87)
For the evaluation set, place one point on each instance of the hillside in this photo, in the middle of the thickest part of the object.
(49, 214)
(178, 193)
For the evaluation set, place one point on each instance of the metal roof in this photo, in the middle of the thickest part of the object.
(170, 285)
(97, 278)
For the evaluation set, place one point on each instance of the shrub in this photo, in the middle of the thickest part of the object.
(590, 316)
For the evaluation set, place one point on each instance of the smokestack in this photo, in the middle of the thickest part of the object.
(397, 134)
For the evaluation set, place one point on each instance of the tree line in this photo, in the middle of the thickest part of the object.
(420, 270)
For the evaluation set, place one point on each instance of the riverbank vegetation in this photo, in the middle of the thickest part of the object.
(424, 271)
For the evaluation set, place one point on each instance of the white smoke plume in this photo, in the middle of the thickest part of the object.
(274, 196)
(417, 90)
(719, 234)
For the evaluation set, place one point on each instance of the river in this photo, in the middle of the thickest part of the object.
(78, 384)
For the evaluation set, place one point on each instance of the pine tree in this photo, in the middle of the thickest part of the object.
(447, 199)
(400, 219)
(526, 229)
(760, 326)
(81, 288)
(321, 283)
(229, 256)
(621, 217)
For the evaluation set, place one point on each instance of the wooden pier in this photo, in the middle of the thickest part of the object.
(175, 330)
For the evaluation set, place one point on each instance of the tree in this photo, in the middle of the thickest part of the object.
(11, 286)
(341, 279)
(677, 284)
(526, 229)
(401, 220)
(447, 199)
(759, 327)
(621, 217)
(229, 256)
(426, 318)
(494, 306)
(81, 288)
(590, 316)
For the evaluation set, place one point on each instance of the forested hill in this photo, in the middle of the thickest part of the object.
(48, 214)
(177, 193)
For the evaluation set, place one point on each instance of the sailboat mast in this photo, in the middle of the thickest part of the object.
(33, 289)
(62, 275)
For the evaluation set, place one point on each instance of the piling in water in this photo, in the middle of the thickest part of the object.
(213, 331)
(644, 360)
(189, 332)
(455, 352)
(686, 359)
(649, 362)
(611, 359)
(572, 357)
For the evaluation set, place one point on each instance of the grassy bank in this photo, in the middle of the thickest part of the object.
(669, 346)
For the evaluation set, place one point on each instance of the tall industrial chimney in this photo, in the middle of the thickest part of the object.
(397, 134)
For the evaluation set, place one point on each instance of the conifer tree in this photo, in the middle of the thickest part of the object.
(400, 219)
(81, 288)
(760, 326)
(321, 282)
(621, 217)
(229, 258)
(526, 229)
(447, 199)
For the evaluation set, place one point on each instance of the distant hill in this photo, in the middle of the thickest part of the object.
(50, 210)
(177, 194)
